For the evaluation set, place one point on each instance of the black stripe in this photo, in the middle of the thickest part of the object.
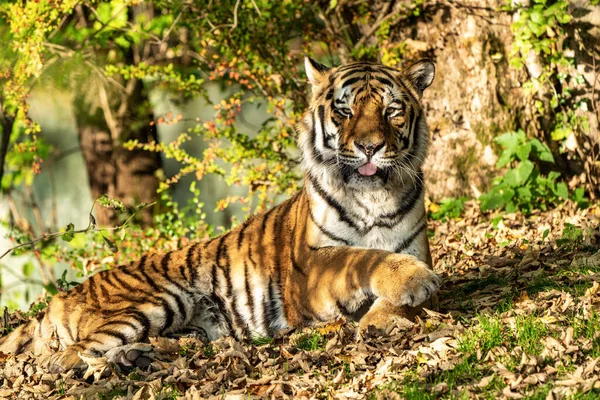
(352, 81)
(104, 291)
(356, 71)
(383, 80)
(186, 269)
(265, 218)
(325, 231)
(66, 324)
(249, 297)
(214, 279)
(386, 73)
(113, 333)
(342, 308)
(343, 215)
(217, 301)
(313, 142)
(164, 264)
(143, 320)
(222, 253)
(242, 234)
(23, 345)
(269, 307)
(169, 314)
(149, 281)
(407, 204)
(77, 325)
(321, 112)
(142, 261)
(329, 94)
(119, 322)
(194, 268)
(408, 241)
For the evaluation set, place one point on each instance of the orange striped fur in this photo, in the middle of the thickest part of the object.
(353, 240)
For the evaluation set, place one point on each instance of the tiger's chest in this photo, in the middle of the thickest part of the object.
(395, 226)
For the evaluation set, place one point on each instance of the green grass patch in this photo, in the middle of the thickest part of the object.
(529, 332)
(262, 340)
(311, 341)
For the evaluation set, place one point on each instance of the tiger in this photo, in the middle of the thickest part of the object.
(351, 243)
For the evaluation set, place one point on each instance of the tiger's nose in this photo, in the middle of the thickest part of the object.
(369, 148)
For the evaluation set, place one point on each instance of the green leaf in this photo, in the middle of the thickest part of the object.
(51, 289)
(560, 133)
(562, 190)
(518, 176)
(68, 235)
(113, 247)
(537, 17)
(508, 140)
(524, 193)
(108, 202)
(542, 151)
(504, 159)
(523, 151)
(332, 4)
(511, 207)
(28, 269)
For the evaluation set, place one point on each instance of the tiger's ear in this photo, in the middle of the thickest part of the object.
(421, 74)
(314, 71)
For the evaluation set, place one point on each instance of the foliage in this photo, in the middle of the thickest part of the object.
(540, 46)
(523, 187)
(449, 208)
(252, 51)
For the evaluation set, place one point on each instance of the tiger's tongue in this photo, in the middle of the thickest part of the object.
(367, 169)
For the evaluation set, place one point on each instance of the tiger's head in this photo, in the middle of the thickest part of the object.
(365, 127)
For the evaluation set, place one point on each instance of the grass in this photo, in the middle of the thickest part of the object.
(262, 340)
(312, 341)
(529, 332)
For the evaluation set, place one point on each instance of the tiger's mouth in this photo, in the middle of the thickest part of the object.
(367, 169)
(366, 173)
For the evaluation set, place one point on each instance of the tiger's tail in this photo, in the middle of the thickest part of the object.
(20, 340)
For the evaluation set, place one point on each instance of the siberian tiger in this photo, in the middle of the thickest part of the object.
(354, 238)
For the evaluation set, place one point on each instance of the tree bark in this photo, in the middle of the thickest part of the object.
(129, 176)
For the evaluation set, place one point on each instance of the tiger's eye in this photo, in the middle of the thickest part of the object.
(343, 112)
(393, 112)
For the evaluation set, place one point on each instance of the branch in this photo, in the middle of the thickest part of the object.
(382, 18)
(7, 125)
(90, 228)
(235, 17)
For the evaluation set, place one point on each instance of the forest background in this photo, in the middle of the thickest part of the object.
(172, 120)
(129, 126)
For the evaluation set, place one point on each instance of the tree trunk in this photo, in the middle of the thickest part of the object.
(129, 176)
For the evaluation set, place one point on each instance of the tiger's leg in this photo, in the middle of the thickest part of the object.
(337, 280)
(105, 333)
(383, 315)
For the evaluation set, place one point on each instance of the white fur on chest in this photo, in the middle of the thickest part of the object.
(360, 223)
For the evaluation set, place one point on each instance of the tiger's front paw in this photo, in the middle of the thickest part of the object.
(403, 280)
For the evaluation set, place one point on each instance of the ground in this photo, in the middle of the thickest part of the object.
(517, 318)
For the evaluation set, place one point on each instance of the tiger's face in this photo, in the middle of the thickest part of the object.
(365, 125)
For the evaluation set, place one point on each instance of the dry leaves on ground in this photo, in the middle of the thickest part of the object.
(518, 317)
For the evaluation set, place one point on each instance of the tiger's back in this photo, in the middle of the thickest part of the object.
(325, 252)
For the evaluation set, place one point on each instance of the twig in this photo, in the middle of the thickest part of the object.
(235, 16)
(90, 228)
(382, 18)
(256, 8)
(108, 116)
(7, 125)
